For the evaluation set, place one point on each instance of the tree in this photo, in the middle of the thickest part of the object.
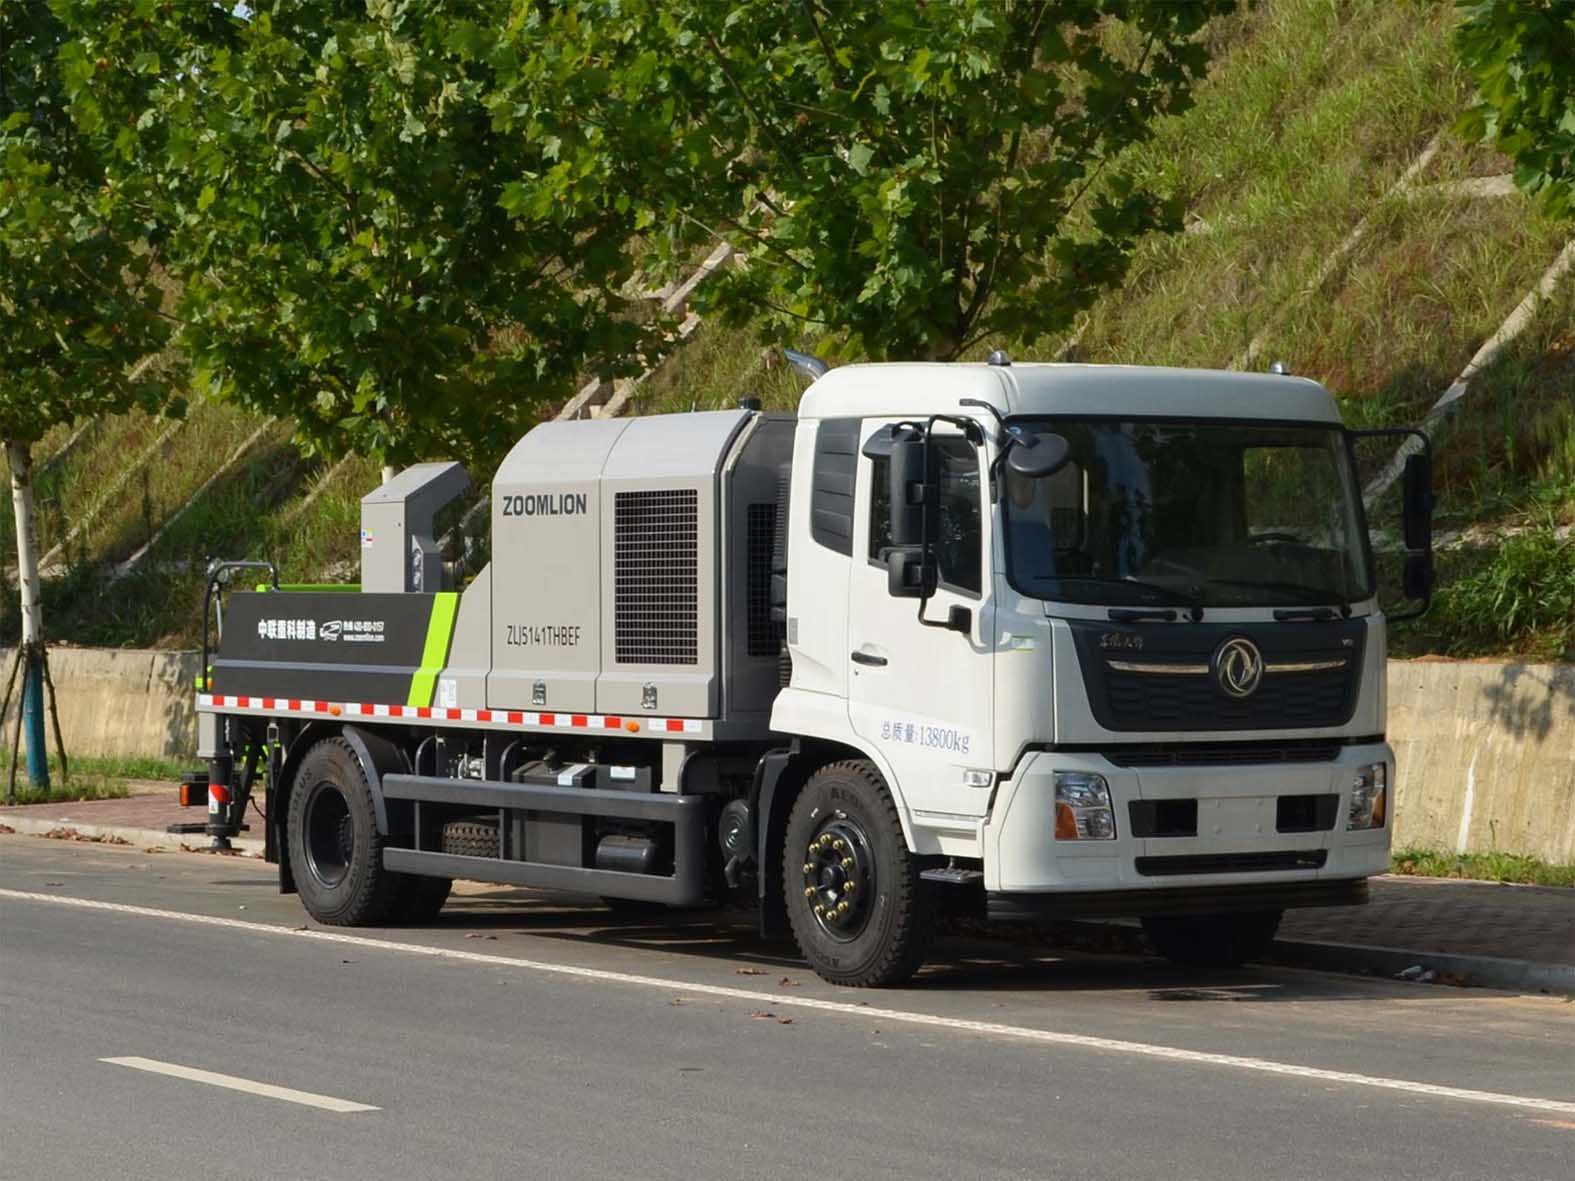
(78, 301)
(1522, 54)
(367, 241)
(913, 176)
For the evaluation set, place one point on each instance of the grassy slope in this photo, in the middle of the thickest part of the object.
(1312, 112)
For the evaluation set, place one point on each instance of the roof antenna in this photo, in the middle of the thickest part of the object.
(1280, 369)
(811, 367)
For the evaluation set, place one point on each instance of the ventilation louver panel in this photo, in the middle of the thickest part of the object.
(760, 529)
(656, 577)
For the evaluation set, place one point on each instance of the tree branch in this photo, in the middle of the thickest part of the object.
(820, 35)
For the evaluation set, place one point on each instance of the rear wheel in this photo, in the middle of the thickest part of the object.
(336, 852)
(1213, 940)
(858, 910)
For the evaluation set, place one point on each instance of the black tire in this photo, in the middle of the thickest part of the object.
(1213, 940)
(882, 935)
(336, 852)
(420, 898)
(471, 838)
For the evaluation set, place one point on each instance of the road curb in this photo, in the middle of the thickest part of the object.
(114, 834)
(1477, 971)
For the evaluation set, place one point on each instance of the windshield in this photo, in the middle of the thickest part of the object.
(1212, 514)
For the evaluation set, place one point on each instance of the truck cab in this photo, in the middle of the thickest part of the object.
(1141, 676)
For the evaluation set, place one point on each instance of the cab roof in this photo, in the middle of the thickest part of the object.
(1032, 388)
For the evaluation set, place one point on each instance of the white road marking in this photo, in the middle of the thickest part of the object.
(232, 1083)
(1019, 1033)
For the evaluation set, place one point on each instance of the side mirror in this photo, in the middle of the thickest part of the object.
(1417, 580)
(1401, 573)
(908, 574)
(1418, 495)
(1036, 456)
(909, 460)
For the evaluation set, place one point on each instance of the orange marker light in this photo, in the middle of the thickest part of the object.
(334, 709)
(1065, 823)
(632, 726)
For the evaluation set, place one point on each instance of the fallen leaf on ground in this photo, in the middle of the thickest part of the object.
(749, 971)
(784, 1021)
(760, 1015)
(788, 982)
(54, 883)
(6, 828)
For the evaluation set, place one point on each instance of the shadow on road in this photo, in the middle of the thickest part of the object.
(1085, 958)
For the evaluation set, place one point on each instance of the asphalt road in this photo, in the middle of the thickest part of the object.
(531, 1035)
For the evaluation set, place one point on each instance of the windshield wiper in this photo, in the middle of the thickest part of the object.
(1181, 598)
(1311, 614)
(1140, 614)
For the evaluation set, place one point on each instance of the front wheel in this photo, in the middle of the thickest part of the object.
(1213, 940)
(854, 899)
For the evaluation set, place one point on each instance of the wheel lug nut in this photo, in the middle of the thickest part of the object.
(808, 868)
(847, 863)
(809, 891)
(838, 844)
(847, 887)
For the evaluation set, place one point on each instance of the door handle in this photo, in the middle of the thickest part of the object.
(870, 659)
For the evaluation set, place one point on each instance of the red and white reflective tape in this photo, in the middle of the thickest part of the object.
(218, 796)
(297, 707)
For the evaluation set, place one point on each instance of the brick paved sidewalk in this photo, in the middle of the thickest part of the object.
(1445, 916)
(1430, 915)
(149, 813)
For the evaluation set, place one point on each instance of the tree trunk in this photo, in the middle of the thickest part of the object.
(20, 457)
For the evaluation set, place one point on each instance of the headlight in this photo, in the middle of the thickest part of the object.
(1369, 790)
(1082, 807)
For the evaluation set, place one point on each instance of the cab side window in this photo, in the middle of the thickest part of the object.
(960, 535)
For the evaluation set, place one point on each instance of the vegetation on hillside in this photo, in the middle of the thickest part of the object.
(1307, 121)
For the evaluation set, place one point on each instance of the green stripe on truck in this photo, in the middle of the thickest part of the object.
(440, 630)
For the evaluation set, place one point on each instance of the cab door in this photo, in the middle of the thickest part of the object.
(923, 696)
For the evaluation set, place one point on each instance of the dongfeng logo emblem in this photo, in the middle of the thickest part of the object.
(1238, 667)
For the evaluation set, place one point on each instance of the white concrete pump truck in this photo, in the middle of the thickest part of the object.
(1023, 640)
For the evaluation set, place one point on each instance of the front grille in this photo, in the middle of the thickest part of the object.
(1161, 677)
(760, 523)
(656, 577)
(1175, 703)
(1159, 867)
(1223, 754)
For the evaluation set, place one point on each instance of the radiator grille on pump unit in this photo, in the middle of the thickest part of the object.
(760, 542)
(656, 577)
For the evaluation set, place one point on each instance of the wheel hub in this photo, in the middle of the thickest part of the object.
(330, 834)
(839, 877)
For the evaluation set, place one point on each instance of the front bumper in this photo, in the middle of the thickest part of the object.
(1236, 848)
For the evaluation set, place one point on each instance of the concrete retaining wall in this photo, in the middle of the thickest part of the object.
(123, 701)
(1486, 751)
(1486, 757)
